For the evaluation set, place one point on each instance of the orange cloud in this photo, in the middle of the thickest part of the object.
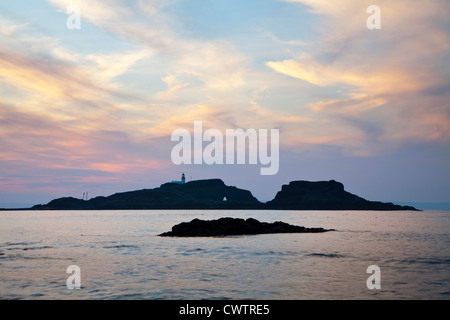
(51, 80)
(130, 166)
(371, 80)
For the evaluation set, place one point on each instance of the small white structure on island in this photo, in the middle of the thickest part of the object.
(183, 180)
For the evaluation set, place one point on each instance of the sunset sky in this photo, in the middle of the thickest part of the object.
(93, 109)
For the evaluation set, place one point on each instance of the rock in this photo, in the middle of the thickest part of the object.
(66, 203)
(234, 226)
(324, 195)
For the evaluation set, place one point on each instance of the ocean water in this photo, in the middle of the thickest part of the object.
(120, 256)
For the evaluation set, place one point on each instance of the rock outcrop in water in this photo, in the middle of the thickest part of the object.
(324, 195)
(214, 194)
(234, 226)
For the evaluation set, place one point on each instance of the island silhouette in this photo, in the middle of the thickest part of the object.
(214, 194)
(234, 226)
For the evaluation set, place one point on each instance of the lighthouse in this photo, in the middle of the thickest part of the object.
(182, 181)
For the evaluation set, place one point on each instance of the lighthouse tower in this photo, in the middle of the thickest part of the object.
(183, 180)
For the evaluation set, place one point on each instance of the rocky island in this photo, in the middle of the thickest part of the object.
(234, 226)
(200, 194)
(324, 195)
(214, 194)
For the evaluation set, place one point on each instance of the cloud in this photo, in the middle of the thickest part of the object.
(365, 79)
(215, 62)
(382, 79)
(193, 74)
(77, 110)
(49, 78)
(35, 141)
(9, 28)
(106, 67)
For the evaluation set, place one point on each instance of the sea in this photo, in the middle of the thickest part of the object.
(119, 255)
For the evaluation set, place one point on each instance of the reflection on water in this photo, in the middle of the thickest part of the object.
(121, 256)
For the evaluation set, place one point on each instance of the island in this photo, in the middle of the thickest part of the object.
(234, 226)
(324, 195)
(211, 194)
(199, 194)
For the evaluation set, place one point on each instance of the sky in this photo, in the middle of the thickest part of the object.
(92, 109)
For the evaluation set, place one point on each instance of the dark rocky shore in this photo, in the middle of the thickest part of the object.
(234, 226)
